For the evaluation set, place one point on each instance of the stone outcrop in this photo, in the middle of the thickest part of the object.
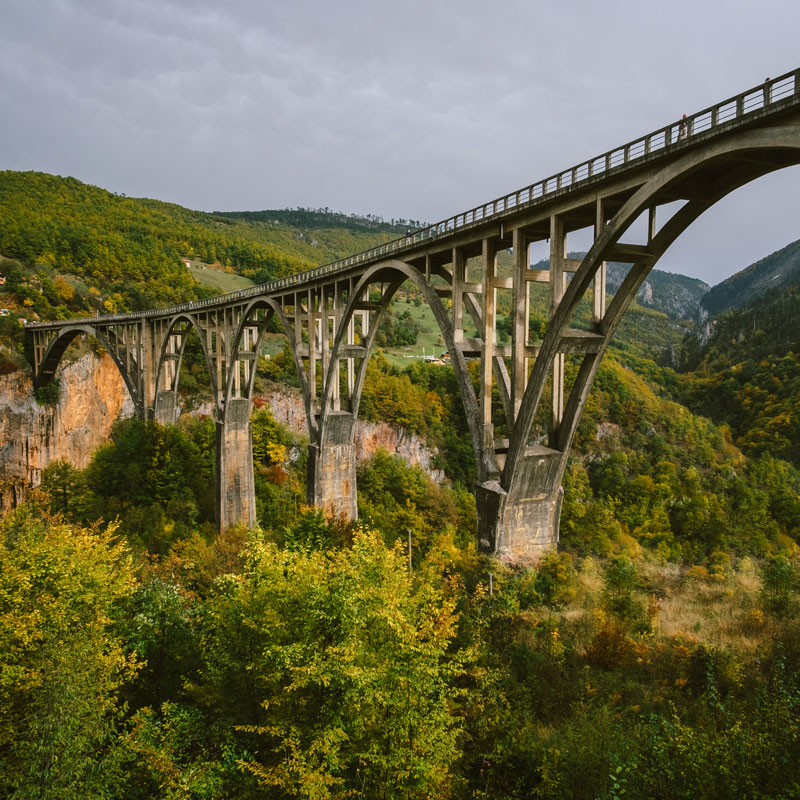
(287, 407)
(92, 395)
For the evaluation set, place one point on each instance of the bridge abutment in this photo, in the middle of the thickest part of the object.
(521, 524)
(332, 467)
(235, 479)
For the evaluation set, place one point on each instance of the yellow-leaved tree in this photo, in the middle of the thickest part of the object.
(61, 663)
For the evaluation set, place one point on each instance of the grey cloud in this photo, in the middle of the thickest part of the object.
(413, 109)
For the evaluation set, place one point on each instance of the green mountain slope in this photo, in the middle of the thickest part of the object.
(778, 270)
(120, 253)
(747, 374)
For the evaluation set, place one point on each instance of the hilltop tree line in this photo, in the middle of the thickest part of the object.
(301, 217)
(131, 251)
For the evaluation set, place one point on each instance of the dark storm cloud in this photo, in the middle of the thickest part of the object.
(415, 109)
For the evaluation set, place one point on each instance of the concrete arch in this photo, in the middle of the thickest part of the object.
(273, 309)
(761, 152)
(161, 413)
(397, 273)
(58, 346)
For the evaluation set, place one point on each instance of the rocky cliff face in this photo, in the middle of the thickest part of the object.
(92, 396)
(287, 407)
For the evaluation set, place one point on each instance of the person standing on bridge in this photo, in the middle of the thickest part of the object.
(683, 128)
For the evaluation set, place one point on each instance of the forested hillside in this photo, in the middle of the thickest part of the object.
(155, 658)
(122, 253)
(779, 270)
(747, 374)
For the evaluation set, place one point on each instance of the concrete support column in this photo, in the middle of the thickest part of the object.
(558, 254)
(599, 282)
(332, 466)
(520, 310)
(459, 276)
(520, 525)
(236, 499)
(147, 360)
(488, 310)
(166, 407)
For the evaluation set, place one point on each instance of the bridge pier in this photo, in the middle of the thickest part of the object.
(165, 411)
(521, 524)
(235, 489)
(332, 466)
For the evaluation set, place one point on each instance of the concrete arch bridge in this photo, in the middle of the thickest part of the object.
(635, 199)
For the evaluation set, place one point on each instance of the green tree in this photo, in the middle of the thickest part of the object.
(348, 659)
(778, 584)
(61, 663)
(621, 593)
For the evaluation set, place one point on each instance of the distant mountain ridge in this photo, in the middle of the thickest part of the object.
(677, 296)
(778, 270)
(683, 298)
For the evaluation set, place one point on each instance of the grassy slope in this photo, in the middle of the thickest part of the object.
(217, 279)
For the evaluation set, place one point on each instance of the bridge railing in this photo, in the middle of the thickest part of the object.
(773, 95)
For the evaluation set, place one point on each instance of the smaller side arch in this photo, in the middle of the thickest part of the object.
(273, 309)
(397, 272)
(168, 367)
(58, 346)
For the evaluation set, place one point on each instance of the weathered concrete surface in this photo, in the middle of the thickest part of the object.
(235, 479)
(92, 396)
(332, 479)
(166, 409)
(520, 526)
(332, 468)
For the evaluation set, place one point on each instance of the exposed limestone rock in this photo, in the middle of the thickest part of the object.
(373, 436)
(92, 396)
(287, 407)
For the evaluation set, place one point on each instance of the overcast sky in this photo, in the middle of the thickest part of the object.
(403, 109)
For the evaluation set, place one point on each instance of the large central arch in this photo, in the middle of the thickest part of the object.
(530, 484)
